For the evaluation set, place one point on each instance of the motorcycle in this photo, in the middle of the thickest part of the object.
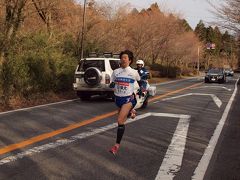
(143, 97)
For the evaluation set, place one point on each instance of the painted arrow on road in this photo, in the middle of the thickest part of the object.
(217, 101)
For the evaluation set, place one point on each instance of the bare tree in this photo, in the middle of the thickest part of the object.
(45, 9)
(229, 17)
(13, 17)
(228, 14)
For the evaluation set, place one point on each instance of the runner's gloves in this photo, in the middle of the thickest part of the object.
(112, 85)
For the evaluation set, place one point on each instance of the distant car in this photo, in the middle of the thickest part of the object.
(215, 75)
(229, 72)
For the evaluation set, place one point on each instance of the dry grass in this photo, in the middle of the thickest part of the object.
(38, 99)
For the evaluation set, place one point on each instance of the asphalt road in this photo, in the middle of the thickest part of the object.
(184, 133)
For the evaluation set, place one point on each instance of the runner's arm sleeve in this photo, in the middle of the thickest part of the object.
(138, 79)
(112, 79)
(137, 76)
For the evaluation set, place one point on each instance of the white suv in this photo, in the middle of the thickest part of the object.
(92, 77)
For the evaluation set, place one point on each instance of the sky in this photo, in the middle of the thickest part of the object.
(192, 10)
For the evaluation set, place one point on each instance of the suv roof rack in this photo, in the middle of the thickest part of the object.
(116, 55)
(92, 54)
(103, 55)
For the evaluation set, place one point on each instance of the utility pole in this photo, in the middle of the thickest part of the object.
(238, 52)
(231, 63)
(198, 63)
(83, 30)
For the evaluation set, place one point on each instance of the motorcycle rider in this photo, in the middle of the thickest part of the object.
(143, 73)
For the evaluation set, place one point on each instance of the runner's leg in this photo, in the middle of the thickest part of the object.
(122, 117)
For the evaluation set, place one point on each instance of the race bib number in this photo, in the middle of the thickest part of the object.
(122, 88)
(123, 85)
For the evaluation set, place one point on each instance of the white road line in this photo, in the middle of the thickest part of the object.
(62, 142)
(176, 148)
(71, 100)
(44, 105)
(176, 97)
(217, 101)
(173, 159)
(213, 87)
(206, 158)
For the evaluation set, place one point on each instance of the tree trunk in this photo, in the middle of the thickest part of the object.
(13, 18)
(44, 11)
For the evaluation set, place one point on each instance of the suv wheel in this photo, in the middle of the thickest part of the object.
(84, 96)
(92, 76)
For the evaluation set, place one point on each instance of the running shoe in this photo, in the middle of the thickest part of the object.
(114, 150)
(133, 113)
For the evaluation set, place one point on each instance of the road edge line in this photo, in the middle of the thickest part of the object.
(202, 167)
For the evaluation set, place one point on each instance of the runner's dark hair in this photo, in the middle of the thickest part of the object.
(129, 53)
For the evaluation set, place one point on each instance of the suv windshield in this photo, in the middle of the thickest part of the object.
(92, 63)
(114, 64)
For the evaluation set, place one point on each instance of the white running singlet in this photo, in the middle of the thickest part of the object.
(124, 79)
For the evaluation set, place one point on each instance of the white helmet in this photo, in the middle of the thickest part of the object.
(140, 62)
